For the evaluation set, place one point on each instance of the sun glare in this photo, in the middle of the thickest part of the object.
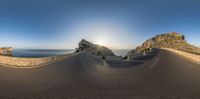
(101, 42)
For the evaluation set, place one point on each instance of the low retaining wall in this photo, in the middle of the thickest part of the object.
(30, 62)
(186, 54)
(24, 62)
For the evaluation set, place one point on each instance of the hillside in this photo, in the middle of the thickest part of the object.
(169, 40)
(94, 49)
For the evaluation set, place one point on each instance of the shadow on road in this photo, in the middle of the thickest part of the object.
(135, 61)
(146, 57)
(123, 64)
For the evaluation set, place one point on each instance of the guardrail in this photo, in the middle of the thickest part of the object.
(194, 57)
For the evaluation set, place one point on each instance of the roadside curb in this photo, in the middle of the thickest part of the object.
(192, 57)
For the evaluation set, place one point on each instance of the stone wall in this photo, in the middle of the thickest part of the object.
(26, 62)
(29, 62)
(191, 56)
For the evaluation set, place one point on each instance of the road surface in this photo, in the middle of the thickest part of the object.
(164, 76)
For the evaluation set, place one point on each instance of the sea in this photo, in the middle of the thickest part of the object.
(34, 53)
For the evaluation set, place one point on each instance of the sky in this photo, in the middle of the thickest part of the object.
(116, 24)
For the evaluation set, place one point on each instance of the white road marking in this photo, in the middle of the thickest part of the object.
(152, 65)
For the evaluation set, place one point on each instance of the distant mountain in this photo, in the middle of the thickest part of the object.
(169, 40)
(86, 46)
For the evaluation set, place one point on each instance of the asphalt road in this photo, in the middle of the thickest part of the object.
(162, 76)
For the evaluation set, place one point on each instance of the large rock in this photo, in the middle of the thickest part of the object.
(169, 40)
(86, 46)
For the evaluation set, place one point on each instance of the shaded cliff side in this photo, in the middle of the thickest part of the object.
(169, 40)
(94, 49)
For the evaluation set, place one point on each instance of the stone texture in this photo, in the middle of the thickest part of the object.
(169, 40)
(26, 62)
(94, 49)
(16, 62)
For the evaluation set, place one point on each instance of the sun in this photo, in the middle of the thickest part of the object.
(100, 42)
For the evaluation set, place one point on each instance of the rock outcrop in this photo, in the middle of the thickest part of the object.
(7, 51)
(94, 49)
(169, 40)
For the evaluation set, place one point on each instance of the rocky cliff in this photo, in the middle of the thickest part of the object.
(86, 46)
(169, 40)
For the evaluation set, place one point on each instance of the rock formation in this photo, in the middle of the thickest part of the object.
(169, 40)
(6, 51)
(94, 49)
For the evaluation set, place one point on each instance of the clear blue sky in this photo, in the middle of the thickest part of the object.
(118, 24)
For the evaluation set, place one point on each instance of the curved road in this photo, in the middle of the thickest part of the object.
(165, 76)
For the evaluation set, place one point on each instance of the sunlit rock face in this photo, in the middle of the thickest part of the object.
(6, 51)
(86, 46)
(169, 40)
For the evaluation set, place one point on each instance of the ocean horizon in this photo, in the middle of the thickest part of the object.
(35, 53)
